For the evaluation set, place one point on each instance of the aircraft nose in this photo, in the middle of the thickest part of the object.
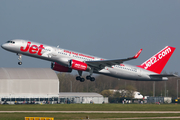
(3, 46)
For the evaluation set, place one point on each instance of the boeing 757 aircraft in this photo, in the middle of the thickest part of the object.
(64, 60)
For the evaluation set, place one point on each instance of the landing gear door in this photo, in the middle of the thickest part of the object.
(139, 72)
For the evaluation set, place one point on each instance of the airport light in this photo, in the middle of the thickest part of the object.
(165, 89)
(10, 98)
(177, 88)
(154, 88)
(47, 97)
(71, 86)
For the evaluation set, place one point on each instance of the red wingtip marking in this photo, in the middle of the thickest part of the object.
(137, 54)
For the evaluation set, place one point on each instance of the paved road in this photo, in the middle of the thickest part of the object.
(134, 118)
(89, 111)
(137, 118)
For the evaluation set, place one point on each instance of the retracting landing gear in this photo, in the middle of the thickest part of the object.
(89, 76)
(79, 77)
(20, 59)
(19, 63)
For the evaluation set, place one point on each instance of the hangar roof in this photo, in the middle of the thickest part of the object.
(27, 73)
(78, 94)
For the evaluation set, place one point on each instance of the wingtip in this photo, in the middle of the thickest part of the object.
(137, 54)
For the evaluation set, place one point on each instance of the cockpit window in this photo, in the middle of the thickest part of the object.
(10, 42)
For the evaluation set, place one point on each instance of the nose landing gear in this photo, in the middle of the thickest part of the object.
(20, 59)
(19, 63)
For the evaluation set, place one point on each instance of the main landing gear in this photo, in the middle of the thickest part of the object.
(82, 79)
(20, 59)
(87, 77)
(90, 78)
(79, 77)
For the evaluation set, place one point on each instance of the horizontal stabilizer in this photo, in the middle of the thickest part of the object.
(163, 75)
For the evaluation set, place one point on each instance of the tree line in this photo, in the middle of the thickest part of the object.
(68, 83)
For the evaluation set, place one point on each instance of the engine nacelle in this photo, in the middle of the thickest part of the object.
(78, 65)
(57, 67)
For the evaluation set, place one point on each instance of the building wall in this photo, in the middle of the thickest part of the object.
(159, 99)
(30, 86)
(40, 85)
(82, 97)
(28, 81)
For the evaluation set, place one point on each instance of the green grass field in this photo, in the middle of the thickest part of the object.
(87, 107)
(92, 107)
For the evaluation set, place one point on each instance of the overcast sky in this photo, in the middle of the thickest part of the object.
(105, 28)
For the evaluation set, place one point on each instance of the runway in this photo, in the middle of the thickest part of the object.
(128, 112)
(137, 118)
(90, 112)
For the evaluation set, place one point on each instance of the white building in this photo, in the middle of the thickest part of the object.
(28, 84)
(81, 97)
(38, 85)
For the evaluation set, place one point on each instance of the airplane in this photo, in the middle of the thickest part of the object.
(63, 60)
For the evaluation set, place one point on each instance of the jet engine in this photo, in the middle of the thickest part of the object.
(78, 65)
(57, 67)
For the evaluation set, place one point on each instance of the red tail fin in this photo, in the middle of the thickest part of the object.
(159, 60)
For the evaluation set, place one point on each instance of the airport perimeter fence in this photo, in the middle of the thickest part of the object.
(149, 100)
(86, 100)
(55, 100)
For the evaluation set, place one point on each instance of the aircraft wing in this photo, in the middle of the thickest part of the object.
(100, 64)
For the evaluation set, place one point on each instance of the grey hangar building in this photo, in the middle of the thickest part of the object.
(39, 86)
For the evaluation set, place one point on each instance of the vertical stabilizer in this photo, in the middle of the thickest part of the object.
(159, 60)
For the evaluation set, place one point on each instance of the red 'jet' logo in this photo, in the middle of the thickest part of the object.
(33, 49)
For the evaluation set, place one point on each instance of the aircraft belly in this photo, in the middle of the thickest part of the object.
(123, 74)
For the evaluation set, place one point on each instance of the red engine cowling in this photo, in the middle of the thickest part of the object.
(57, 67)
(78, 65)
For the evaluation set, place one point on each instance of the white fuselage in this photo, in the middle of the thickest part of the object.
(62, 56)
